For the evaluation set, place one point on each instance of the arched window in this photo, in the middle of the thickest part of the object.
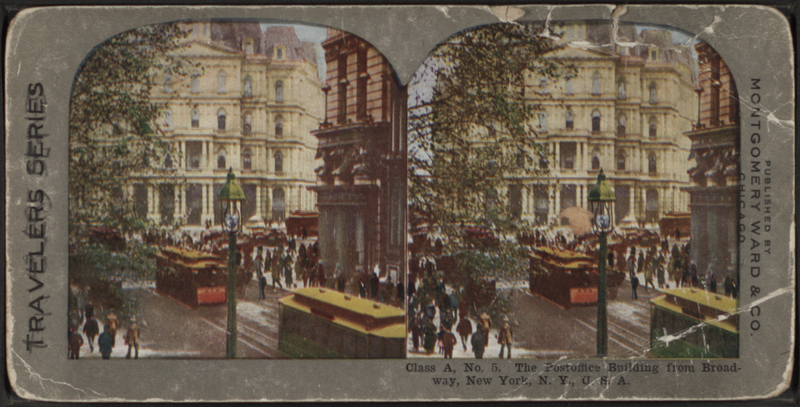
(168, 162)
(221, 119)
(195, 83)
(222, 86)
(570, 120)
(596, 159)
(279, 91)
(621, 123)
(653, 93)
(279, 126)
(167, 83)
(168, 119)
(221, 161)
(247, 127)
(596, 84)
(652, 163)
(195, 118)
(621, 89)
(596, 120)
(621, 161)
(248, 87)
(247, 160)
(653, 128)
(278, 162)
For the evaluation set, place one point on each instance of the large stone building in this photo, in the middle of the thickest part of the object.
(715, 179)
(361, 188)
(626, 111)
(251, 106)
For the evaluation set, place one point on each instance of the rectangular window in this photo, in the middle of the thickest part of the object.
(569, 151)
(140, 200)
(342, 71)
(361, 90)
(194, 151)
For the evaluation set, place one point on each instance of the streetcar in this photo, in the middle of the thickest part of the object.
(191, 277)
(320, 323)
(694, 323)
(568, 278)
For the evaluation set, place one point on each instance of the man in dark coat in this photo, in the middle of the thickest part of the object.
(448, 342)
(105, 342)
(91, 330)
(478, 342)
(374, 284)
(75, 343)
(464, 329)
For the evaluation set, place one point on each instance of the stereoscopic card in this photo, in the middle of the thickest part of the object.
(577, 202)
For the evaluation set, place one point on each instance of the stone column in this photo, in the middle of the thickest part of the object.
(268, 206)
(632, 205)
(258, 201)
(341, 241)
(184, 162)
(558, 154)
(211, 162)
(551, 202)
(558, 204)
(182, 197)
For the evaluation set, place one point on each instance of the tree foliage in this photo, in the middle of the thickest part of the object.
(114, 130)
(473, 139)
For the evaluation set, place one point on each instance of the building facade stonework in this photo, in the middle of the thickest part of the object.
(714, 189)
(250, 106)
(361, 184)
(624, 111)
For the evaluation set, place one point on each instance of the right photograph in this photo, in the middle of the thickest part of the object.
(573, 193)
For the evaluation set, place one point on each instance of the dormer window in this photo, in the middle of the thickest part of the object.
(248, 46)
(653, 55)
(279, 53)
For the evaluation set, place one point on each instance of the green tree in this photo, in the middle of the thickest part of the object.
(114, 129)
(473, 140)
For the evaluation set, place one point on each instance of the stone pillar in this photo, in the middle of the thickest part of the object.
(524, 202)
(558, 154)
(632, 205)
(268, 206)
(558, 204)
(551, 202)
(258, 202)
(184, 162)
(340, 241)
(587, 164)
(211, 158)
(182, 197)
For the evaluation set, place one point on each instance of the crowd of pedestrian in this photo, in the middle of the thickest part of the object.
(85, 321)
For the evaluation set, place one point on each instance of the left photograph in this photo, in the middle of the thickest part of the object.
(237, 190)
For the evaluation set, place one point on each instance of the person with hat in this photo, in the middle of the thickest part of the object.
(105, 342)
(113, 324)
(132, 338)
(505, 338)
(75, 343)
(91, 330)
(478, 342)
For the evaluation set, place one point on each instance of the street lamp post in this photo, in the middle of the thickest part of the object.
(601, 201)
(230, 197)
